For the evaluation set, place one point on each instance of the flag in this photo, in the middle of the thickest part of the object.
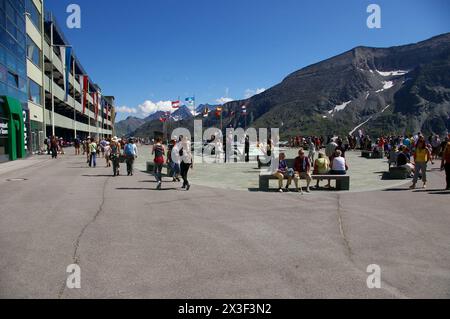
(205, 112)
(175, 104)
(68, 67)
(107, 110)
(190, 100)
(85, 82)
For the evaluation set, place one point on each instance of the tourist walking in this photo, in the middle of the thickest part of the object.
(445, 165)
(115, 156)
(158, 151)
(173, 159)
(186, 162)
(93, 153)
(421, 158)
(77, 144)
(107, 150)
(131, 154)
(54, 147)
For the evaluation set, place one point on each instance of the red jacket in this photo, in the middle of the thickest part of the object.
(302, 166)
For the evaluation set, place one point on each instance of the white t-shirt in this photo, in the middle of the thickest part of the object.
(339, 164)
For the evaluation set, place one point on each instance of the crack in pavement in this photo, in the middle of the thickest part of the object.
(347, 246)
(75, 256)
(349, 252)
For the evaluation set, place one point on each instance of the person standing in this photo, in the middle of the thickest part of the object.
(54, 147)
(92, 153)
(158, 151)
(421, 158)
(312, 151)
(107, 149)
(76, 144)
(131, 154)
(445, 165)
(173, 159)
(186, 162)
(115, 156)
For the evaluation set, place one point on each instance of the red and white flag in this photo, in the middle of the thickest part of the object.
(175, 104)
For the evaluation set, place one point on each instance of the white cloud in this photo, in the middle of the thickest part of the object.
(149, 107)
(249, 92)
(224, 100)
(126, 109)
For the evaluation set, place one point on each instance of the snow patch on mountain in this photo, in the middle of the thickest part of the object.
(339, 107)
(386, 86)
(392, 73)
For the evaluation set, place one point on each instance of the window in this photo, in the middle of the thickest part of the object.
(34, 16)
(33, 52)
(34, 92)
(13, 79)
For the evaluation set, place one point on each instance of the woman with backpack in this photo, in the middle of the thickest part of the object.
(130, 154)
(159, 151)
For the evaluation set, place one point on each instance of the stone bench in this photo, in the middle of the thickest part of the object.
(372, 154)
(342, 181)
(398, 173)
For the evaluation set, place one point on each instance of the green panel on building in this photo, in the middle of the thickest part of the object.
(12, 128)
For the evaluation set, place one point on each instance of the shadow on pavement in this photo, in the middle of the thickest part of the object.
(145, 189)
(97, 175)
(396, 189)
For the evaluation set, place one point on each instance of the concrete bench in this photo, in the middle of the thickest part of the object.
(372, 154)
(398, 173)
(342, 181)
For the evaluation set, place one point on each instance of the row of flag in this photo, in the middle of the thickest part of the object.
(84, 86)
(190, 101)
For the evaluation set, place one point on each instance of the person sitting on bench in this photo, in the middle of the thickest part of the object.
(285, 172)
(404, 160)
(339, 166)
(322, 167)
(302, 169)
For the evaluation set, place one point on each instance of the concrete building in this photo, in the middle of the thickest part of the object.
(33, 68)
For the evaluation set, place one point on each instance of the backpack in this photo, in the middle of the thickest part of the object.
(129, 150)
(159, 151)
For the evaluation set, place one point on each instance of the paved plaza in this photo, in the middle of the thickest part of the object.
(218, 240)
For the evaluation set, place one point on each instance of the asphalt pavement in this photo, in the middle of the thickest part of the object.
(132, 241)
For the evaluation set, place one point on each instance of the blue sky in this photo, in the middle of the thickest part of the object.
(147, 51)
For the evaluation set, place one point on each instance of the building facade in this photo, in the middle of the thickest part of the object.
(13, 76)
(36, 72)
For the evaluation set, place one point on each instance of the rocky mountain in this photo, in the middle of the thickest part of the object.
(128, 126)
(396, 90)
(182, 113)
(403, 89)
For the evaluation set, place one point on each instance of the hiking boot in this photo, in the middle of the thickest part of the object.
(413, 186)
(158, 187)
(188, 187)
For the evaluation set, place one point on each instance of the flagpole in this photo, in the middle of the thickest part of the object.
(74, 107)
